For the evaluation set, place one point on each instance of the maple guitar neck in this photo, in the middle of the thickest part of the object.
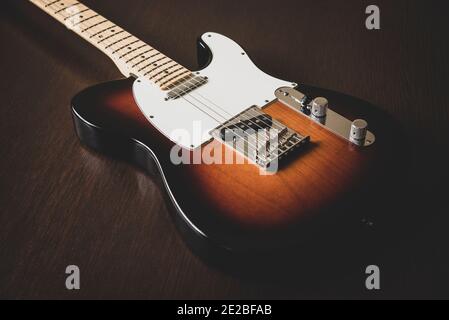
(132, 56)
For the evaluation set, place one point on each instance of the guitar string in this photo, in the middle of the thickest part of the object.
(173, 85)
(280, 151)
(253, 113)
(190, 81)
(65, 15)
(61, 13)
(55, 6)
(183, 83)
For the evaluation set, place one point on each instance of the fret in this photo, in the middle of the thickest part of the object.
(84, 20)
(131, 51)
(140, 54)
(141, 61)
(152, 77)
(95, 25)
(158, 76)
(177, 69)
(77, 13)
(166, 72)
(90, 23)
(103, 30)
(156, 62)
(153, 63)
(175, 80)
(51, 3)
(157, 67)
(130, 54)
(69, 7)
(143, 46)
(115, 34)
(146, 66)
(171, 76)
(155, 55)
(128, 45)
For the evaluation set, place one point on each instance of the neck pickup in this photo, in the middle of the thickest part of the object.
(260, 138)
(185, 86)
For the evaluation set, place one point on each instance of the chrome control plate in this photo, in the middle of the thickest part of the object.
(333, 121)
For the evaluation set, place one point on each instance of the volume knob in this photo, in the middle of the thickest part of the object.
(319, 107)
(359, 129)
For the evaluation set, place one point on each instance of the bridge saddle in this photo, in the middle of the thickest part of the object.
(258, 137)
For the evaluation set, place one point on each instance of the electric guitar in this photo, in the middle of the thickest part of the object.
(249, 161)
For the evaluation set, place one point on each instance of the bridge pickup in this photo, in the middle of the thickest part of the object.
(260, 138)
(185, 86)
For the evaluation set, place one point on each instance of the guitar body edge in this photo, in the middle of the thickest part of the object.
(141, 156)
(333, 187)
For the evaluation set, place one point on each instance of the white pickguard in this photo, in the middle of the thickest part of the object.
(234, 84)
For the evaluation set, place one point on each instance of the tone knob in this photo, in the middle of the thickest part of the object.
(359, 128)
(319, 107)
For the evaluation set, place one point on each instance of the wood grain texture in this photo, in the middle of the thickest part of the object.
(121, 235)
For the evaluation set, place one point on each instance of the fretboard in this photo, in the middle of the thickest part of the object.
(132, 56)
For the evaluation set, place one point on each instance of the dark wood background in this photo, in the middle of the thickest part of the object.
(62, 204)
